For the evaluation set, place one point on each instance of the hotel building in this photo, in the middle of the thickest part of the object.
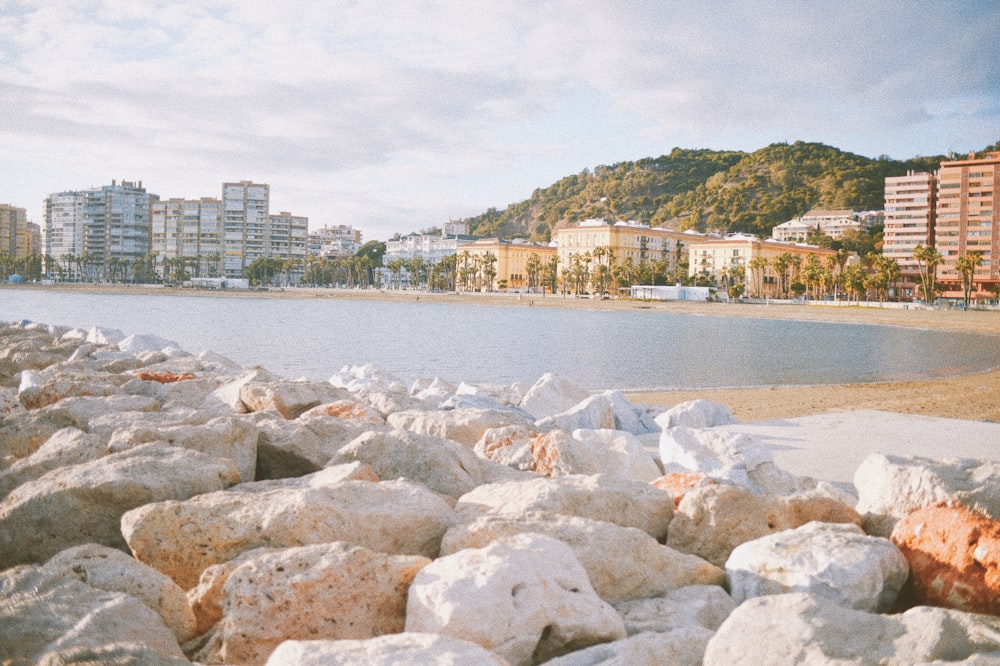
(626, 240)
(909, 221)
(511, 261)
(833, 223)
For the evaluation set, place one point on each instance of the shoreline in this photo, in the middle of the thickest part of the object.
(974, 396)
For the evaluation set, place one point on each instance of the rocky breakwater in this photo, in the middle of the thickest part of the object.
(160, 507)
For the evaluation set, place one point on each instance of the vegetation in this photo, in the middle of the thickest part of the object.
(706, 190)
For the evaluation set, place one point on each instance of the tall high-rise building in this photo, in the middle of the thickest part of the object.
(245, 208)
(909, 221)
(968, 220)
(287, 236)
(62, 232)
(15, 238)
(188, 231)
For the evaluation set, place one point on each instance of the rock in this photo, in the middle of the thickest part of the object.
(954, 556)
(696, 414)
(366, 378)
(115, 654)
(134, 344)
(386, 402)
(84, 503)
(614, 453)
(503, 394)
(42, 614)
(38, 396)
(164, 377)
(726, 456)
(305, 445)
(680, 647)
(622, 563)
(799, 628)
(85, 411)
(69, 446)
(22, 435)
(351, 411)
(290, 399)
(9, 405)
(838, 562)
(104, 568)
(434, 391)
(229, 393)
(99, 335)
(509, 445)
(705, 606)
(679, 483)
(182, 539)
(322, 591)
(442, 465)
(531, 587)
(465, 426)
(610, 410)
(552, 395)
(713, 520)
(891, 487)
(620, 501)
(391, 650)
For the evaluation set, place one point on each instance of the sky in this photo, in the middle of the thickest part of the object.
(399, 116)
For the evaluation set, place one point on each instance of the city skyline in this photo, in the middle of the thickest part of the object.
(400, 118)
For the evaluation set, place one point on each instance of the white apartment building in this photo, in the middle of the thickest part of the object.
(189, 229)
(62, 230)
(246, 207)
(430, 248)
(287, 236)
(833, 223)
(909, 221)
(337, 241)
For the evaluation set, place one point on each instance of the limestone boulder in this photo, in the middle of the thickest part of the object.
(432, 390)
(111, 570)
(615, 453)
(52, 391)
(229, 393)
(622, 563)
(704, 606)
(679, 647)
(712, 520)
(305, 445)
(532, 589)
(502, 394)
(442, 465)
(465, 426)
(725, 456)
(834, 561)
(679, 483)
(891, 487)
(619, 501)
(388, 402)
(328, 476)
(323, 591)
(87, 412)
(22, 435)
(290, 399)
(366, 378)
(42, 616)
(182, 539)
(391, 650)
(9, 405)
(115, 654)
(509, 445)
(68, 446)
(137, 343)
(610, 410)
(552, 395)
(351, 411)
(101, 335)
(954, 556)
(698, 414)
(84, 503)
(799, 628)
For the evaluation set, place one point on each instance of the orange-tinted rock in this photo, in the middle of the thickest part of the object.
(164, 377)
(678, 483)
(954, 556)
(348, 410)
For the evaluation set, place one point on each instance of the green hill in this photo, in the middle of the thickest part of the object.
(706, 190)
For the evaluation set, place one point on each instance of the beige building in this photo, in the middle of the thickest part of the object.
(718, 259)
(16, 238)
(833, 223)
(626, 240)
(968, 219)
(336, 241)
(511, 261)
(909, 221)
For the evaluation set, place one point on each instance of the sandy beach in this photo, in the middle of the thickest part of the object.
(972, 397)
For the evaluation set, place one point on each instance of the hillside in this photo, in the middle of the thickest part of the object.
(706, 190)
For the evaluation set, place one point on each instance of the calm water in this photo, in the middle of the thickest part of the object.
(596, 349)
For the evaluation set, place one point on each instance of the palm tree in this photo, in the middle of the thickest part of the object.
(781, 264)
(966, 267)
(927, 258)
(757, 267)
(489, 269)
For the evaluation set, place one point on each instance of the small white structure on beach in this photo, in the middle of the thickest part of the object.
(220, 283)
(669, 293)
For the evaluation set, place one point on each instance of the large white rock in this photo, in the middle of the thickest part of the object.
(712, 520)
(84, 503)
(552, 395)
(392, 650)
(182, 539)
(696, 414)
(368, 377)
(721, 455)
(293, 448)
(525, 597)
(509, 445)
(229, 393)
(622, 563)
(680, 647)
(610, 410)
(69, 446)
(9, 404)
(892, 487)
(464, 426)
(799, 628)
(705, 606)
(144, 342)
(22, 435)
(835, 561)
(322, 591)
(100, 335)
(42, 614)
(108, 569)
(290, 399)
(615, 453)
(620, 501)
(442, 465)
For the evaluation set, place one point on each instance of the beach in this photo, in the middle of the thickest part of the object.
(972, 397)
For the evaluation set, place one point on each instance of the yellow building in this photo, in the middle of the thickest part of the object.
(626, 240)
(490, 263)
(15, 236)
(968, 220)
(719, 259)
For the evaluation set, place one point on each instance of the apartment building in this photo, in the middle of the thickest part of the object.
(432, 248)
(245, 208)
(910, 209)
(717, 259)
(336, 241)
(833, 223)
(62, 231)
(15, 235)
(287, 236)
(626, 240)
(509, 263)
(967, 215)
(189, 229)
